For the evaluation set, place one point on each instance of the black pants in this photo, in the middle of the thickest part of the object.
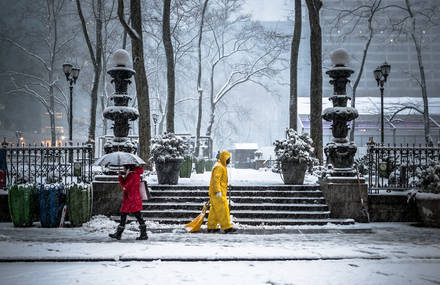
(137, 215)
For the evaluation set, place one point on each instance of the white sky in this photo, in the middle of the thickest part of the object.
(267, 10)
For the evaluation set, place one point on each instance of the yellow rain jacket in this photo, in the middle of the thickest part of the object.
(219, 211)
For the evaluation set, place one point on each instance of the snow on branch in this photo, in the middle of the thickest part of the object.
(28, 52)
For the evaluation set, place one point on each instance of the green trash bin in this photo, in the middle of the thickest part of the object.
(209, 164)
(21, 204)
(200, 166)
(186, 168)
(79, 203)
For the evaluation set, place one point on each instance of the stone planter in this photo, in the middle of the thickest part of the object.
(428, 207)
(168, 171)
(293, 172)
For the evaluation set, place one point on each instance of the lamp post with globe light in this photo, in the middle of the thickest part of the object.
(72, 74)
(381, 74)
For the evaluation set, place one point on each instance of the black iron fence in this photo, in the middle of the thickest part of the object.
(397, 167)
(42, 164)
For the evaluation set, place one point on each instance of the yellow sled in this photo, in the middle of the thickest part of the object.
(196, 224)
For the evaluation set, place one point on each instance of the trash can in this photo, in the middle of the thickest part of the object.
(21, 204)
(200, 166)
(52, 201)
(79, 203)
(186, 168)
(209, 164)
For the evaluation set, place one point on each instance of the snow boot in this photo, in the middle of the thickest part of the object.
(143, 229)
(213, 230)
(118, 233)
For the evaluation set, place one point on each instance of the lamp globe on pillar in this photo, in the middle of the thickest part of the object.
(72, 74)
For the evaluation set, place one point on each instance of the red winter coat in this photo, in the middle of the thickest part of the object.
(132, 200)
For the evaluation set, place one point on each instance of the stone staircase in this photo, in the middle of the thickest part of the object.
(251, 205)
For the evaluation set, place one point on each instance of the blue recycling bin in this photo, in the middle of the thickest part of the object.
(52, 201)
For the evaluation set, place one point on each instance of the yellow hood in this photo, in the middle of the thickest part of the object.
(224, 155)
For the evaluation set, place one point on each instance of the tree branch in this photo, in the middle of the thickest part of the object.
(131, 32)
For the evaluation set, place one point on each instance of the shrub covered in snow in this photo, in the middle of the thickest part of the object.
(430, 178)
(168, 146)
(295, 147)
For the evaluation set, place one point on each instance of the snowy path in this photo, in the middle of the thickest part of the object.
(376, 253)
(231, 273)
(389, 253)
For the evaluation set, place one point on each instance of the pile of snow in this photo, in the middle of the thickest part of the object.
(99, 223)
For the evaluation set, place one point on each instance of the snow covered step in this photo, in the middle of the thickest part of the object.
(243, 193)
(253, 222)
(255, 214)
(238, 187)
(293, 222)
(239, 206)
(244, 199)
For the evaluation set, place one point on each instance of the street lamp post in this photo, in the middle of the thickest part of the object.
(155, 118)
(72, 74)
(381, 74)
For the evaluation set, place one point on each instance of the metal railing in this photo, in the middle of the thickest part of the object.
(44, 164)
(397, 167)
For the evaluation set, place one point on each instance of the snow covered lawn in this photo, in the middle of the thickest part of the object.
(263, 176)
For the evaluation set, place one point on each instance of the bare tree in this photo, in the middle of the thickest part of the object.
(184, 32)
(142, 93)
(296, 40)
(314, 7)
(43, 87)
(359, 16)
(95, 56)
(244, 50)
(199, 81)
(410, 23)
(110, 34)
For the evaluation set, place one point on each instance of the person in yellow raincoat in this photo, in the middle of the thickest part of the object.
(218, 189)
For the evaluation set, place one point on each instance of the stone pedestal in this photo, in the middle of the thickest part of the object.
(107, 195)
(343, 196)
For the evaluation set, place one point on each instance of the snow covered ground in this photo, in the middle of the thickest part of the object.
(390, 253)
(376, 253)
(263, 176)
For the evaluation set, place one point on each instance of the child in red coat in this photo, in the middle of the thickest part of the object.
(131, 201)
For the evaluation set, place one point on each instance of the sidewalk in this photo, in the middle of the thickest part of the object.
(377, 253)
(91, 242)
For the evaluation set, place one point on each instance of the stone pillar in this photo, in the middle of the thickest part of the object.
(107, 197)
(120, 113)
(346, 193)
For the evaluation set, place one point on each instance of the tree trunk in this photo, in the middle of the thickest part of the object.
(169, 53)
(316, 76)
(418, 47)
(96, 58)
(53, 134)
(296, 39)
(137, 48)
(211, 95)
(104, 93)
(361, 71)
(199, 82)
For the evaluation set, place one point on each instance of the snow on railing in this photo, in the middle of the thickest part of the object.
(392, 167)
(46, 164)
